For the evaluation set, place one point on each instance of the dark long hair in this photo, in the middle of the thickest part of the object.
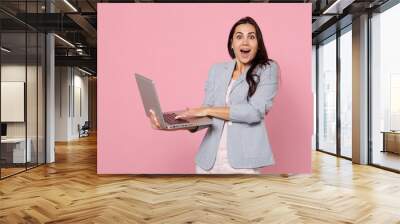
(261, 57)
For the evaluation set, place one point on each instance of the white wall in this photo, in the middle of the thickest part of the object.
(81, 102)
(61, 103)
(71, 94)
(16, 73)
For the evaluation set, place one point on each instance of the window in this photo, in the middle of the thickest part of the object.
(327, 95)
(385, 88)
(346, 92)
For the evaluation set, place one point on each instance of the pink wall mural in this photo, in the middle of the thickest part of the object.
(175, 45)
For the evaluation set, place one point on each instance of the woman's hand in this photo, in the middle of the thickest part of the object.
(154, 121)
(155, 124)
(193, 112)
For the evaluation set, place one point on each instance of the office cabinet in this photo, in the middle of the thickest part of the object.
(391, 142)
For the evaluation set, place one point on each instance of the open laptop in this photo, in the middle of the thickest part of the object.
(167, 120)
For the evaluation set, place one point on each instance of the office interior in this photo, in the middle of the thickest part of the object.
(357, 86)
(48, 80)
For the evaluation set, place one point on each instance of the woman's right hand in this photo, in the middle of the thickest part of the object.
(155, 124)
(154, 121)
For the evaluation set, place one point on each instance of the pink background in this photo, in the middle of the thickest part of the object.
(177, 44)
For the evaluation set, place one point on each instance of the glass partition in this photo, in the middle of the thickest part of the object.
(13, 110)
(327, 95)
(41, 107)
(22, 77)
(32, 95)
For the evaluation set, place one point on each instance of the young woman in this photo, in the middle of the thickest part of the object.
(238, 94)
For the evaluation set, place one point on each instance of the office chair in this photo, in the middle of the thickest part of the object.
(84, 130)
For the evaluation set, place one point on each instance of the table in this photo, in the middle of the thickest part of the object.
(13, 150)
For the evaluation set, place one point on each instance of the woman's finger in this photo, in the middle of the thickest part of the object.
(182, 115)
(154, 121)
(157, 123)
(151, 113)
(152, 117)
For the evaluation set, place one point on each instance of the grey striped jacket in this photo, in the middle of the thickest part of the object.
(247, 144)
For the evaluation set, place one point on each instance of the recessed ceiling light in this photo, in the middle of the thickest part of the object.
(5, 50)
(64, 40)
(84, 71)
(70, 5)
(338, 6)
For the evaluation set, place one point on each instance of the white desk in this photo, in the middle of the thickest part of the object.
(18, 149)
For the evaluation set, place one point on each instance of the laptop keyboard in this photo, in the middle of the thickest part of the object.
(170, 119)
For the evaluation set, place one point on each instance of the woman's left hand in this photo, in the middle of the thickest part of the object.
(193, 112)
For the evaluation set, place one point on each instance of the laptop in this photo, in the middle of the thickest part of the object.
(167, 120)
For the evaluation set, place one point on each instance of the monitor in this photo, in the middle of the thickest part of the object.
(3, 129)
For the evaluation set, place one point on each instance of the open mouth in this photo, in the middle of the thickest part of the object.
(245, 52)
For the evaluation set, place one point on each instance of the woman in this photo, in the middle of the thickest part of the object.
(237, 96)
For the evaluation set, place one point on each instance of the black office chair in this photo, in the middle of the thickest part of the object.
(84, 130)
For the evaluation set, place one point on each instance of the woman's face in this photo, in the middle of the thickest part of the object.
(244, 43)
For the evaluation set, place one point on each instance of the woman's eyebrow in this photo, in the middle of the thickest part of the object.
(248, 33)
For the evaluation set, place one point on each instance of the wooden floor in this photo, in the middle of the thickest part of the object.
(387, 159)
(70, 191)
(5, 172)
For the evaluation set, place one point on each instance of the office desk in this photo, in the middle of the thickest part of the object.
(391, 141)
(13, 150)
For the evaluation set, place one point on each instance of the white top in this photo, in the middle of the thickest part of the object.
(221, 165)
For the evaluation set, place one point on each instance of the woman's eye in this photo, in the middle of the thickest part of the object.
(252, 37)
(239, 37)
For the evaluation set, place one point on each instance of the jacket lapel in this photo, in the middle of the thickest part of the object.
(242, 77)
(229, 67)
